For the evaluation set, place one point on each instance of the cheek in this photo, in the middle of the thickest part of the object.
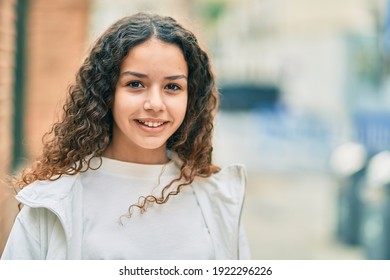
(182, 107)
(124, 105)
(118, 109)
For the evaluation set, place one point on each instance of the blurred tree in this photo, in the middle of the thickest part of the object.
(210, 11)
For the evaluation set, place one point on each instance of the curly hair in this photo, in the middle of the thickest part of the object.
(85, 129)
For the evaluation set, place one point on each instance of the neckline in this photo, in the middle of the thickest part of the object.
(131, 169)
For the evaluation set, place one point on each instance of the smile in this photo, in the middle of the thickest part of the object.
(151, 124)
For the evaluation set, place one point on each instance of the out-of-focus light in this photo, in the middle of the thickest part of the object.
(348, 158)
(378, 172)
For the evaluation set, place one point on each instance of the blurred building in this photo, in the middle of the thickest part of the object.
(9, 11)
(7, 54)
(57, 33)
(325, 57)
(307, 47)
(103, 13)
(42, 43)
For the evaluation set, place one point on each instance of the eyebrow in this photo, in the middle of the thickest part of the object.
(141, 75)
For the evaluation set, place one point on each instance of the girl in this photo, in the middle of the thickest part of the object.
(135, 136)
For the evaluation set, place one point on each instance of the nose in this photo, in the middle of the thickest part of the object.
(154, 100)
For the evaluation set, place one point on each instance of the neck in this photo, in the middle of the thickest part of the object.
(142, 156)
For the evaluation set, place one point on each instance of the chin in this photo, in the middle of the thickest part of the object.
(153, 146)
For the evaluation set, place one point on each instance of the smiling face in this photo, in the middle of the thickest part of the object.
(150, 102)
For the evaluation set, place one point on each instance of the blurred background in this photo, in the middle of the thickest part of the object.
(305, 105)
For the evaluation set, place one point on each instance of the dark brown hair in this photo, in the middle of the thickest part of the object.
(85, 129)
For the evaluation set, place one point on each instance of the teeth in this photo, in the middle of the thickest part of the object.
(152, 124)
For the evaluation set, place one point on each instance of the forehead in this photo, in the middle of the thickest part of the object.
(155, 54)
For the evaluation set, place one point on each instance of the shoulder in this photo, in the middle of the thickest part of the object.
(236, 172)
(229, 183)
(45, 191)
(233, 175)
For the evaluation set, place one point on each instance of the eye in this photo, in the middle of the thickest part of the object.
(173, 87)
(135, 84)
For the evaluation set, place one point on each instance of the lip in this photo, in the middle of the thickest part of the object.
(150, 129)
(150, 120)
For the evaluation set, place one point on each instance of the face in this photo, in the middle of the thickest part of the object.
(150, 101)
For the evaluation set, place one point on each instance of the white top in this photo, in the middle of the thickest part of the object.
(174, 230)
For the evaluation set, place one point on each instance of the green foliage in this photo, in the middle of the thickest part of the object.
(211, 10)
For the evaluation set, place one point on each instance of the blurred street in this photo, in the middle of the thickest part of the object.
(292, 217)
(290, 209)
